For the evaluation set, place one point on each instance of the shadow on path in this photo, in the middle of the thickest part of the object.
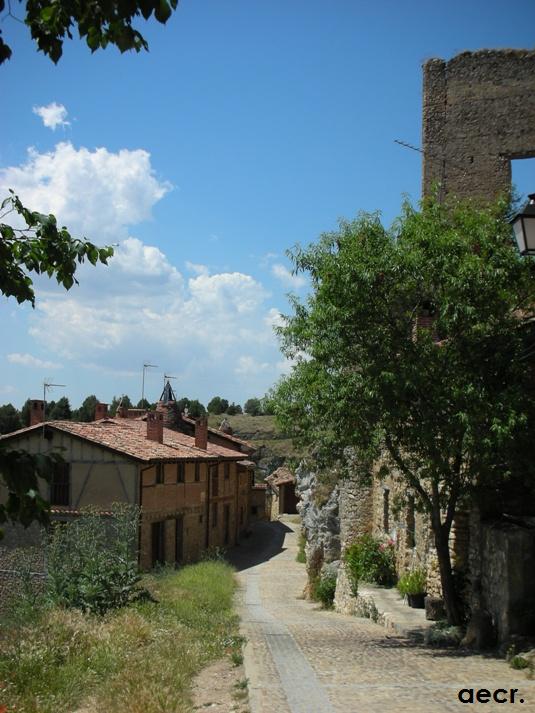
(265, 542)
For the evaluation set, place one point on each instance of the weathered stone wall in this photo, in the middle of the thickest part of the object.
(319, 521)
(356, 519)
(478, 114)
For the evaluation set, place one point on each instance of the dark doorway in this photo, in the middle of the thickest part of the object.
(179, 539)
(288, 498)
(158, 543)
(226, 521)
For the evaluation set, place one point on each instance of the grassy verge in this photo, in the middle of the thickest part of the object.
(301, 556)
(139, 659)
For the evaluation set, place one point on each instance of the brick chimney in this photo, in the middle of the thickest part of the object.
(201, 432)
(155, 426)
(101, 411)
(122, 412)
(37, 412)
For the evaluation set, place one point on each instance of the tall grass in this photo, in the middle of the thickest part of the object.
(139, 659)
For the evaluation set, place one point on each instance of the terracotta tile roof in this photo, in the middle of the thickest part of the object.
(129, 436)
(247, 463)
(280, 476)
(230, 437)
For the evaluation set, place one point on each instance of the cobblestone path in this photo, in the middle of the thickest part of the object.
(300, 659)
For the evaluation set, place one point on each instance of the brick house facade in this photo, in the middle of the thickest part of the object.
(194, 494)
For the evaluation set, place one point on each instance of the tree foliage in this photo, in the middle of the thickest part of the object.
(10, 419)
(40, 247)
(20, 472)
(86, 412)
(449, 407)
(218, 405)
(100, 23)
(253, 407)
(61, 411)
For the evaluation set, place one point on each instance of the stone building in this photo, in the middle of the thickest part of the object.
(194, 493)
(478, 116)
(281, 484)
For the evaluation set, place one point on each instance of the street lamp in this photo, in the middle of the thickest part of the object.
(524, 226)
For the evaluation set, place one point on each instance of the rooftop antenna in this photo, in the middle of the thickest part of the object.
(47, 385)
(146, 365)
(165, 378)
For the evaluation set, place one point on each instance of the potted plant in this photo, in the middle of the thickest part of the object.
(412, 585)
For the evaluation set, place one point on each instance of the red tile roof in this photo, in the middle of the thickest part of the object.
(129, 437)
(281, 476)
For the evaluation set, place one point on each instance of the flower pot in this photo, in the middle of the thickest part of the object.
(416, 601)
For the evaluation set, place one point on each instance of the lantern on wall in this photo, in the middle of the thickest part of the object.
(524, 226)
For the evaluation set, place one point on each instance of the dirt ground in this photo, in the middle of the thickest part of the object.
(221, 688)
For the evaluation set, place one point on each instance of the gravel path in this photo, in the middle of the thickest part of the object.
(300, 659)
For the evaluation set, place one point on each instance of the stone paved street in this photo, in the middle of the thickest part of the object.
(300, 659)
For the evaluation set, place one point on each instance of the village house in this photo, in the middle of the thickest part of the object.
(194, 489)
(281, 485)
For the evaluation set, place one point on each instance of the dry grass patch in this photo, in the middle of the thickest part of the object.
(140, 659)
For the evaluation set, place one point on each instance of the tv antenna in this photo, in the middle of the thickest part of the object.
(47, 386)
(146, 365)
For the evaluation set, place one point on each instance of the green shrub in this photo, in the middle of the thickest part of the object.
(301, 555)
(413, 582)
(92, 562)
(370, 559)
(519, 663)
(323, 589)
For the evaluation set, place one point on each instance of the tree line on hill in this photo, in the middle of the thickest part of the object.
(11, 418)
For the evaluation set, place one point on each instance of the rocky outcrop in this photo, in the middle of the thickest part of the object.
(320, 522)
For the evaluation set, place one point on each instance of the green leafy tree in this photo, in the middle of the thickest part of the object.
(9, 419)
(25, 413)
(40, 247)
(61, 411)
(86, 412)
(450, 408)
(218, 405)
(143, 403)
(234, 409)
(101, 24)
(21, 472)
(253, 407)
(124, 400)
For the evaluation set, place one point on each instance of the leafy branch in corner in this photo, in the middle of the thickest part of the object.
(101, 23)
(42, 248)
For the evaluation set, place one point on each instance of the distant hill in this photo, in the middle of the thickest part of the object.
(273, 447)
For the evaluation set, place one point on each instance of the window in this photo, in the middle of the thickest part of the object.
(159, 473)
(180, 472)
(197, 472)
(214, 475)
(60, 487)
(226, 470)
(411, 521)
(158, 543)
(386, 509)
(214, 514)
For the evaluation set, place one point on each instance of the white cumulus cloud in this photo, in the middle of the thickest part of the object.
(95, 193)
(31, 361)
(285, 276)
(53, 115)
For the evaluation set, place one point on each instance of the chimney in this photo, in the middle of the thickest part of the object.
(201, 432)
(101, 411)
(155, 426)
(122, 412)
(37, 412)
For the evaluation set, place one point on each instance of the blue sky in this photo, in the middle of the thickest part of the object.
(248, 127)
